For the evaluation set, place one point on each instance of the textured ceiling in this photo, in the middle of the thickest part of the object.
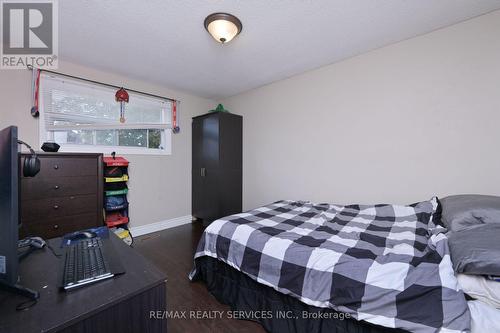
(164, 41)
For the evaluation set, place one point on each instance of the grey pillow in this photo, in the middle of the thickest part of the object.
(477, 250)
(469, 210)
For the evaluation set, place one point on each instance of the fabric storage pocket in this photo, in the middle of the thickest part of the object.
(116, 202)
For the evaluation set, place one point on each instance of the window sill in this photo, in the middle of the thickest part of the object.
(109, 149)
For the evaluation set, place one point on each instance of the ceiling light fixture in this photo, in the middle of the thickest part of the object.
(223, 26)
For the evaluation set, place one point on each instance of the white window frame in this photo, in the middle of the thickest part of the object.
(166, 135)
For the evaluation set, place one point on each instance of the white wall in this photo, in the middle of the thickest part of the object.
(160, 186)
(399, 124)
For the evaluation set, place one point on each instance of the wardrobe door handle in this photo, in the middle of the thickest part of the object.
(56, 166)
(203, 172)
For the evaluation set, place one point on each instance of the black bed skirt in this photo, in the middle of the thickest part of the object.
(275, 311)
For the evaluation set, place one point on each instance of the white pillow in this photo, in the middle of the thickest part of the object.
(480, 288)
(484, 318)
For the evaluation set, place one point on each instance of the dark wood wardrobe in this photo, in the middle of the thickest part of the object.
(217, 165)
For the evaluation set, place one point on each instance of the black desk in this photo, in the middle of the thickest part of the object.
(121, 304)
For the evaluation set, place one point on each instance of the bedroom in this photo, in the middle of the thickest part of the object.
(345, 103)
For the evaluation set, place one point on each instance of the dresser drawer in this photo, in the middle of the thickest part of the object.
(58, 207)
(54, 166)
(56, 227)
(65, 196)
(39, 188)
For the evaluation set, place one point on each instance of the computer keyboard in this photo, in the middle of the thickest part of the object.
(84, 262)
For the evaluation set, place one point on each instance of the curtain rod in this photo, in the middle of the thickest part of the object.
(30, 67)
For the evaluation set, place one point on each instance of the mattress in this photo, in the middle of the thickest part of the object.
(283, 313)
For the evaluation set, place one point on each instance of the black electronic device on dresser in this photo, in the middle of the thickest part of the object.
(217, 165)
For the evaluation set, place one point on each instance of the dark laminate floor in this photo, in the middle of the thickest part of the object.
(172, 251)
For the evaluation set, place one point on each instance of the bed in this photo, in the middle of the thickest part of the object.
(383, 267)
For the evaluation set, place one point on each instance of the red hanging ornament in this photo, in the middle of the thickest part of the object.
(35, 112)
(122, 97)
(175, 127)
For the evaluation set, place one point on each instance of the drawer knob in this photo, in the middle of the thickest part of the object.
(56, 187)
(56, 226)
(56, 207)
(56, 166)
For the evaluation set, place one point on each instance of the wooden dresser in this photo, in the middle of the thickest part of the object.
(65, 196)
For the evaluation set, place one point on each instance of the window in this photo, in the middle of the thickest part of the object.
(84, 117)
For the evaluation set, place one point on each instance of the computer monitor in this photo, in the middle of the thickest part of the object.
(9, 213)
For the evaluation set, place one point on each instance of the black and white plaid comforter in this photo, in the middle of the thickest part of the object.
(384, 264)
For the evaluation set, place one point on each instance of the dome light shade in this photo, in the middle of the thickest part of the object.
(223, 27)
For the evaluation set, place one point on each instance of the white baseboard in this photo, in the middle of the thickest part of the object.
(162, 225)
